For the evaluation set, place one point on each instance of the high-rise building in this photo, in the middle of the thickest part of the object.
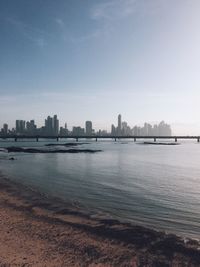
(164, 129)
(20, 126)
(113, 130)
(119, 128)
(63, 131)
(5, 128)
(147, 129)
(55, 125)
(126, 130)
(78, 131)
(49, 126)
(88, 128)
(31, 127)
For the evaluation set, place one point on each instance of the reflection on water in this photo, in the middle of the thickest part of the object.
(157, 186)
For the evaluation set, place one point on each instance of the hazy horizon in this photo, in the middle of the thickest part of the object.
(91, 60)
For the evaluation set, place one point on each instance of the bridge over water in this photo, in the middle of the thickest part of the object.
(96, 137)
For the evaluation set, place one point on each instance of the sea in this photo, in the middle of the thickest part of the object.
(156, 186)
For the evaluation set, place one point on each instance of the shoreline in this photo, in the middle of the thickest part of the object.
(40, 231)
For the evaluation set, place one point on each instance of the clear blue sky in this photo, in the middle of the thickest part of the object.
(93, 59)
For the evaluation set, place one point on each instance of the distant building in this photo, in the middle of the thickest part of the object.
(119, 128)
(55, 125)
(31, 127)
(102, 132)
(20, 126)
(147, 130)
(126, 130)
(88, 128)
(136, 131)
(51, 125)
(162, 129)
(78, 131)
(64, 131)
(4, 130)
(122, 128)
(113, 130)
(155, 130)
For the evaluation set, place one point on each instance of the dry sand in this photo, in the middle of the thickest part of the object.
(37, 231)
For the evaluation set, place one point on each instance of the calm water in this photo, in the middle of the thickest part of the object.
(156, 186)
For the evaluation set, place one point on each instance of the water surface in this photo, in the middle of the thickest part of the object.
(156, 186)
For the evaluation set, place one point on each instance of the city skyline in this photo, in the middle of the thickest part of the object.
(91, 57)
(178, 128)
(52, 127)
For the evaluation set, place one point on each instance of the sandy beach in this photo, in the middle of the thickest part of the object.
(38, 231)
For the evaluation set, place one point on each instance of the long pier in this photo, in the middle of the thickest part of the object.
(96, 137)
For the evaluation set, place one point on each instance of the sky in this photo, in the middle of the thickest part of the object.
(93, 59)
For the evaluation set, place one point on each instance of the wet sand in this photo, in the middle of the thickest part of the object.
(38, 231)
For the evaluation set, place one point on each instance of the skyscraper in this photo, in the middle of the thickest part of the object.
(49, 126)
(88, 128)
(31, 127)
(119, 128)
(5, 128)
(55, 125)
(113, 130)
(78, 131)
(20, 126)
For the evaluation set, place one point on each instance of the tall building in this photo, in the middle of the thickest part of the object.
(126, 130)
(113, 130)
(20, 126)
(49, 126)
(52, 125)
(78, 131)
(5, 128)
(63, 131)
(164, 129)
(55, 125)
(119, 128)
(31, 127)
(88, 128)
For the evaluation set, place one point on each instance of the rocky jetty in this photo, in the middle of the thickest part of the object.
(45, 151)
(161, 143)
